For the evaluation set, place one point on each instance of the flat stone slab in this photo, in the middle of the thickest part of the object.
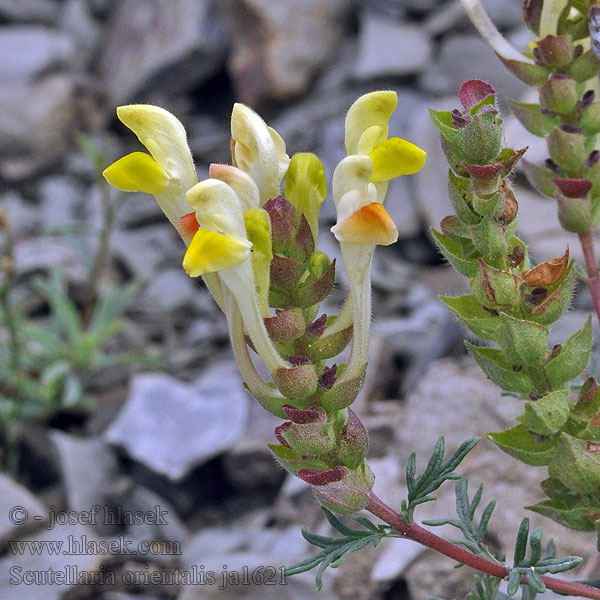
(20, 510)
(171, 427)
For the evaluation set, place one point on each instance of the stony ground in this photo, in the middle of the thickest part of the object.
(158, 438)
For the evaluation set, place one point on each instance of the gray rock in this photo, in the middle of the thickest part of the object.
(281, 62)
(76, 20)
(20, 511)
(170, 290)
(209, 139)
(452, 15)
(137, 209)
(29, 11)
(203, 420)
(58, 572)
(41, 254)
(250, 465)
(123, 596)
(32, 50)
(422, 6)
(102, 8)
(388, 48)
(307, 125)
(505, 14)
(416, 340)
(37, 121)
(401, 206)
(256, 549)
(431, 182)
(60, 197)
(23, 216)
(89, 472)
(467, 56)
(206, 329)
(144, 250)
(168, 528)
(445, 18)
(170, 46)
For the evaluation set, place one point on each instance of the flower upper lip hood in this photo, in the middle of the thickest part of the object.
(168, 171)
(258, 150)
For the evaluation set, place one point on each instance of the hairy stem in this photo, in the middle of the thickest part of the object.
(587, 245)
(421, 535)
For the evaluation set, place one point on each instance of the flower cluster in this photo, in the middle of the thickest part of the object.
(256, 251)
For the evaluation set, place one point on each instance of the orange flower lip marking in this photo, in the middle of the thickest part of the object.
(187, 226)
(370, 225)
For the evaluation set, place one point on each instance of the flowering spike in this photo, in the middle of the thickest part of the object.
(354, 442)
(573, 188)
(292, 236)
(340, 489)
(317, 327)
(555, 51)
(297, 383)
(279, 431)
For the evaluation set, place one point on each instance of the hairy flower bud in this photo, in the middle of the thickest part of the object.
(589, 119)
(485, 179)
(286, 325)
(574, 204)
(567, 148)
(312, 439)
(555, 51)
(354, 442)
(291, 234)
(343, 393)
(495, 288)
(340, 489)
(297, 383)
(559, 94)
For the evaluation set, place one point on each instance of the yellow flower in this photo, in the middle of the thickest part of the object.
(221, 244)
(362, 178)
(221, 240)
(167, 172)
(360, 183)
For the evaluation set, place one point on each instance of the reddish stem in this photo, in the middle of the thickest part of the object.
(587, 245)
(419, 534)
